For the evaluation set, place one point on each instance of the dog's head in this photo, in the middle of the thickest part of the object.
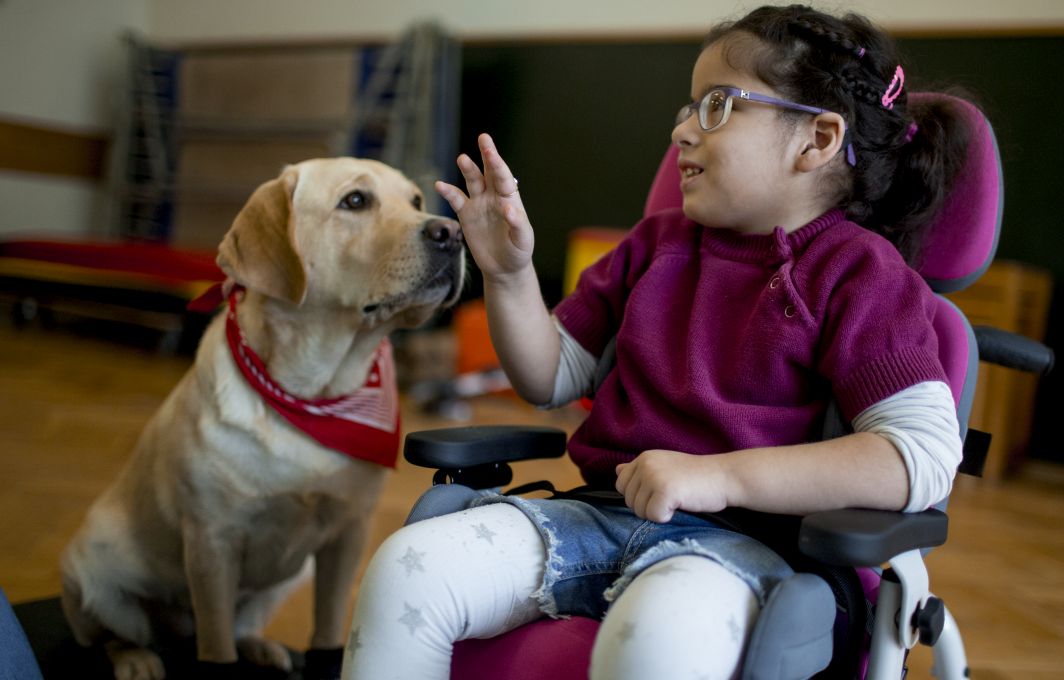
(348, 234)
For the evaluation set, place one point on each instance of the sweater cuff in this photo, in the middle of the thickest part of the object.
(879, 379)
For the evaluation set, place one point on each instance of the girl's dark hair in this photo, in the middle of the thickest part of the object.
(845, 64)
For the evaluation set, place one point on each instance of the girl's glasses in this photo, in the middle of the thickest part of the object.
(715, 108)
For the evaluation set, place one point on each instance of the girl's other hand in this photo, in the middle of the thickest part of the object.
(658, 483)
(493, 217)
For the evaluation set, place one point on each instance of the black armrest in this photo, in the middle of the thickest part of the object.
(1012, 350)
(455, 448)
(851, 537)
(868, 538)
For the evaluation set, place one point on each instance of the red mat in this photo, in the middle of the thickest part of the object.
(140, 266)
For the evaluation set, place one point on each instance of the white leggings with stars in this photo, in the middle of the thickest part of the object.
(434, 582)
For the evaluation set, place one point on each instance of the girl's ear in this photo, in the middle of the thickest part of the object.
(825, 140)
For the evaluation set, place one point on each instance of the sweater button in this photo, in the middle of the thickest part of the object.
(789, 311)
(774, 282)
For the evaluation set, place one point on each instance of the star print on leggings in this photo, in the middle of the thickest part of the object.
(412, 560)
(412, 619)
(733, 628)
(354, 642)
(484, 533)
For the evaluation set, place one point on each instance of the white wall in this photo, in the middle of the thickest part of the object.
(211, 20)
(59, 63)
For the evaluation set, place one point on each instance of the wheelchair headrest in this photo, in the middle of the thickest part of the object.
(963, 237)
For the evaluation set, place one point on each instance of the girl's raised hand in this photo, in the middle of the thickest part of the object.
(493, 217)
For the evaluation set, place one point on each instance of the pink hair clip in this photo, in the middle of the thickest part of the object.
(910, 132)
(894, 89)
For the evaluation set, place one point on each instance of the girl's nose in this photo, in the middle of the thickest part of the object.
(686, 133)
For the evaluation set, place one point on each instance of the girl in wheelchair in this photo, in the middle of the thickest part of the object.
(781, 285)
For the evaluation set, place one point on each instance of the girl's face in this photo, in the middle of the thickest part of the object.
(740, 176)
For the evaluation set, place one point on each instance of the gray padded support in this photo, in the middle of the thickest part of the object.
(793, 636)
(964, 408)
(442, 499)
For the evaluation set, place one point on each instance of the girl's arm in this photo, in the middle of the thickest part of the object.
(523, 334)
(857, 470)
(501, 239)
(904, 455)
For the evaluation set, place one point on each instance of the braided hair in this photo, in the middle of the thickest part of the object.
(847, 65)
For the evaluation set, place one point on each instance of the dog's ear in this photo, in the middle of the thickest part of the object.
(260, 250)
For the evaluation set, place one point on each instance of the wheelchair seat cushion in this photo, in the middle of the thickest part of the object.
(519, 654)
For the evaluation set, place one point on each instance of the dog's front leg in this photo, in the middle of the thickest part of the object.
(335, 565)
(211, 566)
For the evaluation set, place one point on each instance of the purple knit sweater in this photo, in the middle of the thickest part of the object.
(728, 341)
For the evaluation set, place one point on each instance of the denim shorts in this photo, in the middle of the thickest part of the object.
(594, 551)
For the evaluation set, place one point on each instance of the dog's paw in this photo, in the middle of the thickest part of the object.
(136, 663)
(262, 652)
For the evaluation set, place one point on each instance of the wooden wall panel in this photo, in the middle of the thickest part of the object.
(281, 86)
(37, 148)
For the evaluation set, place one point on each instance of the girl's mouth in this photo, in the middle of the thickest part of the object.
(688, 172)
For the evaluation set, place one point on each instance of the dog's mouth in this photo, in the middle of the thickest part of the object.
(440, 289)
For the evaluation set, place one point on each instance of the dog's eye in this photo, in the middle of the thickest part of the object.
(356, 200)
(417, 202)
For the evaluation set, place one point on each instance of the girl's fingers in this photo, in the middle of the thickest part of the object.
(474, 180)
(496, 173)
(452, 194)
(631, 491)
(642, 500)
(657, 509)
(623, 472)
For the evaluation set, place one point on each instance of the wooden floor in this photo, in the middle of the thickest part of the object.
(71, 407)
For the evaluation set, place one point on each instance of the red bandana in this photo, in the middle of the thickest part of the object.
(363, 424)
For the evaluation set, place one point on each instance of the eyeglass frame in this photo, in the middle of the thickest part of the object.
(730, 93)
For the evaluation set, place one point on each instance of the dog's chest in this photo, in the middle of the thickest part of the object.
(285, 530)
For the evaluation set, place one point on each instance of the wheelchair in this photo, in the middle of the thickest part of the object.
(843, 614)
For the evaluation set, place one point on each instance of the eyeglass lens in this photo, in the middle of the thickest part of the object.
(710, 110)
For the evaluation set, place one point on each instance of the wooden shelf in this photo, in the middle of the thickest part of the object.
(1014, 297)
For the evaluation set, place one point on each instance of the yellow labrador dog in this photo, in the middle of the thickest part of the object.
(225, 497)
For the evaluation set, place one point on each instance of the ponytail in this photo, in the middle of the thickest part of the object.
(927, 166)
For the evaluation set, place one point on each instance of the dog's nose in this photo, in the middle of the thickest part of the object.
(443, 234)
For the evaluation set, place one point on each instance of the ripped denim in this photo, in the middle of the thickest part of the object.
(594, 552)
